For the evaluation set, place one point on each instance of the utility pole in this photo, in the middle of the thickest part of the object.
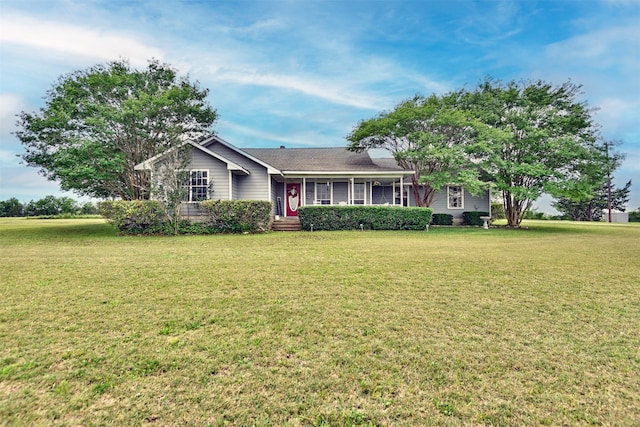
(608, 181)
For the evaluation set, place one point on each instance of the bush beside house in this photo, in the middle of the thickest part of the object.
(473, 218)
(363, 217)
(442, 219)
(221, 216)
(236, 216)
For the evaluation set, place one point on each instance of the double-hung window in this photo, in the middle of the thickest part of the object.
(455, 197)
(358, 193)
(198, 188)
(323, 193)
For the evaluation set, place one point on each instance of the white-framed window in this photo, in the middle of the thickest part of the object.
(358, 193)
(455, 197)
(198, 187)
(323, 193)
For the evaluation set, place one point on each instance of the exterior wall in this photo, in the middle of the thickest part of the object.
(277, 193)
(479, 202)
(254, 186)
(218, 174)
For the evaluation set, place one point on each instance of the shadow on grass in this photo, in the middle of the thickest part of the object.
(577, 227)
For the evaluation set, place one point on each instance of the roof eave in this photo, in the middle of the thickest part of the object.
(348, 173)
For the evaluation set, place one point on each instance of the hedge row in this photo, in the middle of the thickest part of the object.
(237, 216)
(473, 218)
(442, 219)
(221, 216)
(363, 217)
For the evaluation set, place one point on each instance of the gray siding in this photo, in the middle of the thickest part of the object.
(218, 174)
(254, 186)
(479, 202)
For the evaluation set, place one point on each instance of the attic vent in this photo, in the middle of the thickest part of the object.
(282, 147)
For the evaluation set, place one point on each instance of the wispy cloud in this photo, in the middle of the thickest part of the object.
(617, 46)
(10, 105)
(316, 87)
(33, 33)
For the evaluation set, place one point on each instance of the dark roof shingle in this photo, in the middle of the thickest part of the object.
(327, 159)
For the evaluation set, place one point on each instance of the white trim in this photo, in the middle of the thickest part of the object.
(304, 192)
(190, 186)
(461, 196)
(230, 185)
(230, 146)
(148, 164)
(345, 174)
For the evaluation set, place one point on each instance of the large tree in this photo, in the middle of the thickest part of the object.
(535, 137)
(428, 135)
(98, 123)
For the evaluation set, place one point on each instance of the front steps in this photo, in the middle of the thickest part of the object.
(291, 223)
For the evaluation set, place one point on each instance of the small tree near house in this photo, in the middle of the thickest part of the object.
(170, 187)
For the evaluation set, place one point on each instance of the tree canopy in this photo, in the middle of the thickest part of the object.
(98, 123)
(428, 135)
(535, 137)
(527, 138)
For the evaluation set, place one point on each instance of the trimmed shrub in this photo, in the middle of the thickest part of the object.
(473, 217)
(442, 219)
(236, 216)
(365, 217)
(221, 216)
(135, 216)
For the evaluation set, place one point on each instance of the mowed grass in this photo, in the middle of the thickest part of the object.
(455, 326)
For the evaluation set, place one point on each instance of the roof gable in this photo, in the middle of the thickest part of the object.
(148, 164)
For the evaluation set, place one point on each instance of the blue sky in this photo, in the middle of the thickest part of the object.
(304, 73)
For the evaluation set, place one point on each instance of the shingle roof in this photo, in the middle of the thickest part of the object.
(327, 159)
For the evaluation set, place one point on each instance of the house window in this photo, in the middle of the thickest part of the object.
(323, 193)
(358, 194)
(198, 185)
(455, 197)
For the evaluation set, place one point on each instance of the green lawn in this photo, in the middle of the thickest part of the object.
(455, 326)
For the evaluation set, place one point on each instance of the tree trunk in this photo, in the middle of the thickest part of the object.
(511, 209)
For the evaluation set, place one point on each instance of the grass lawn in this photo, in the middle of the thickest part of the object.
(455, 326)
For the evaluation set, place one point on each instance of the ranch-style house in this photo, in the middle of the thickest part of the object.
(294, 177)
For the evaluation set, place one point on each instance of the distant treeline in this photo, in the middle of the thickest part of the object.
(47, 206)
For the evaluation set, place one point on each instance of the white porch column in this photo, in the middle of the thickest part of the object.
(303, 196)
(393, 193)
(401, 191)
(230, 186)
(353, 188)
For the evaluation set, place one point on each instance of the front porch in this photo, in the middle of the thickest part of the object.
(304, 191)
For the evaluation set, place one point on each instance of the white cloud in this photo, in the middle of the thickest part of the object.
(8, 158)
(317, 87)
(74, 40)
(298, 139)
(10, 105)
(603, 48)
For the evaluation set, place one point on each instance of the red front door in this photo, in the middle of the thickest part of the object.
(292, 198)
